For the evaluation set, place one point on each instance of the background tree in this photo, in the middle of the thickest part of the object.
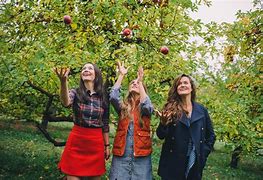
(236, 92)
(35, 38)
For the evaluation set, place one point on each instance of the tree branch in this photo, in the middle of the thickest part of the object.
(168, 80)
(39, 89)
(48, 137)
(52, 118)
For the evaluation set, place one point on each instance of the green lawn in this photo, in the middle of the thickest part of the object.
(26, 154)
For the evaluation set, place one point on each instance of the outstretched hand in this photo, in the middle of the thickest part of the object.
(122, 69)
(62, 73)
(140, 74)
(165, 117)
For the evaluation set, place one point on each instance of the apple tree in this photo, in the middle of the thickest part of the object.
(236, 91)
(38, 35)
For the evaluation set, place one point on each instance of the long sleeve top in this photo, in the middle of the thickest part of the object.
(91, 113)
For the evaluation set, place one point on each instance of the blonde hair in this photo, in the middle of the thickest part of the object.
(130, 103)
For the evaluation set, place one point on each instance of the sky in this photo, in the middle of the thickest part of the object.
(222, 10)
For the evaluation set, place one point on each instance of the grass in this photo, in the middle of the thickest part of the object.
(26, 154)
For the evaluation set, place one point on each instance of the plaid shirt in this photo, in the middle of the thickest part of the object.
(90, 113)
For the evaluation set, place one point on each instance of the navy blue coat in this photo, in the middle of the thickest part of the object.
(173, 160)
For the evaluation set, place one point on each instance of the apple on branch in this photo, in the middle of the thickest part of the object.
(164, 50)
(126, 32)
(67, 19)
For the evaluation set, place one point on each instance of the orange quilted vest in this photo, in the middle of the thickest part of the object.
(142, 136)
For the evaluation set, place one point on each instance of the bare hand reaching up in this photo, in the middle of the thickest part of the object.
(122, 69)
(62, 73)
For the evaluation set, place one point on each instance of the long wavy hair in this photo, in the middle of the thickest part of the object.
(98, 87)
(174, 100)
(130, 103)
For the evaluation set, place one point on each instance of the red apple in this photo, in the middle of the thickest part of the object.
(67, 19)
(126, 32)
(164, 50)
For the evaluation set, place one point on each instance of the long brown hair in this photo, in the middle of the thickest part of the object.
(174, 101)
(98, 87)
(130, 103)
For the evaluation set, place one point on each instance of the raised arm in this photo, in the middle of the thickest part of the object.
(122, 72)
(64, 93)
(146, 104)
(143, 94)
(115, 91)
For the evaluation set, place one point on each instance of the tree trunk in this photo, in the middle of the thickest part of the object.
(235, 157)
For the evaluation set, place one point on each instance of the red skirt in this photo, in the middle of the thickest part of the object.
(84, 153)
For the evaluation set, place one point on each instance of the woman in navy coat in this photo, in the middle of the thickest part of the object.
(187, 131)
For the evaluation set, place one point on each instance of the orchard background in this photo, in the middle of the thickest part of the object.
(225, 60)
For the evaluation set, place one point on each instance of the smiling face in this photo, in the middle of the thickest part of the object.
(184, 87)
(134, 86)
(88, 72)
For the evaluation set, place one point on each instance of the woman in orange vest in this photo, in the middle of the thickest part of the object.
(132, 145)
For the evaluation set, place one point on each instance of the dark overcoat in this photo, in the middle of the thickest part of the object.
(173, 160)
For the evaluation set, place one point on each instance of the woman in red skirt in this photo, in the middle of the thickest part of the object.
(87, 146)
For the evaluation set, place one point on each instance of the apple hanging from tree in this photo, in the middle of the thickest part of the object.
(164, 50)
(67, 19)
(126, 32)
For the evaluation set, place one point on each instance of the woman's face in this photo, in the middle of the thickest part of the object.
(88, 72)
(134, 86)
(184, 88)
